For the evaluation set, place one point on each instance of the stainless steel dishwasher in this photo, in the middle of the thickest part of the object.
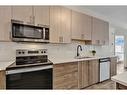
(104, 69)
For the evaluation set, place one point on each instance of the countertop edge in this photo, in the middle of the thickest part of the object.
(118, 81)
(79, 60)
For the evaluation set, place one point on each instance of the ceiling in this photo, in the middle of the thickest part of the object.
(116, 15)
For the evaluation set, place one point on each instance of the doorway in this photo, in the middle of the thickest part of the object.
(119, 51)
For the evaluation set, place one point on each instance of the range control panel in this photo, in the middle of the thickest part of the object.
(24, 52)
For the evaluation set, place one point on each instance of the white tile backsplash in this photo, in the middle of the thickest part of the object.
(7, 50)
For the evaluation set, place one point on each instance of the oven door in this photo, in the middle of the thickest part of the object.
(38, 77)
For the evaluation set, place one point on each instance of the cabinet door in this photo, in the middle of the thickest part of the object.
(2, 80)
(60, 25)
(86, 27)
(81, 26)
(113, 66)
(66, 25)
(23, 13)
(65, 76)
(83, 74)
(93, 72)
(97, 31)
(76, 25)
(41, 14)
(55, 24)
(106, 32)
(5, 23)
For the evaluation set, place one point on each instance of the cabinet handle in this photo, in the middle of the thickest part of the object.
(104, 42)
(30, 21)
(60, 39)
(32, 18)
(82, 36)
(97, 42)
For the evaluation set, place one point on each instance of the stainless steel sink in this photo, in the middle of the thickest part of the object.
(82, 57)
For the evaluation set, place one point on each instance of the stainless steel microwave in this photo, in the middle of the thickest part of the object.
(29, 33)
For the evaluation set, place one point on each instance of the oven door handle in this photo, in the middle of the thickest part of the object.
(29, 69)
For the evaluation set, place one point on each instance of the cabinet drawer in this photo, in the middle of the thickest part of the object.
(67, 81)
(65, 76)
(62, 69)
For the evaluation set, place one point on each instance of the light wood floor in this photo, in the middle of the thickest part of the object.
(107, 85)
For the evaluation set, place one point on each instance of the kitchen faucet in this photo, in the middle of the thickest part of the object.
(79, 46)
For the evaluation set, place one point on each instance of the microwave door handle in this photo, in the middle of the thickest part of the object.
(44, 33)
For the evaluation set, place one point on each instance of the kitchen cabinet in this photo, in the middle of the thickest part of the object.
(88, 73)
(100, 32)
(60, 25)
(113, 66)
(87, 27)
(83, 68)
(41, 15)
(65, 76)
(23, 13)
(5, 23)
(106, 33)
(2, 79)
(93, 71)
(38, 15)
(81, 26)
(76, 25)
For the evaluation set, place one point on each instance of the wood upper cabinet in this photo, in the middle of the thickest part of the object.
(66, 24)
(81, 26)
(97, 33)
(65, 76)
(23, 13)
(87, 27)
(113, 66)
(41, 15)
(83, 71)
(2, 79)
(100, 32)
(60, 25)
(5, 23)
(93, 71)
(55, 13)
(106, 33)
(76, 25)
